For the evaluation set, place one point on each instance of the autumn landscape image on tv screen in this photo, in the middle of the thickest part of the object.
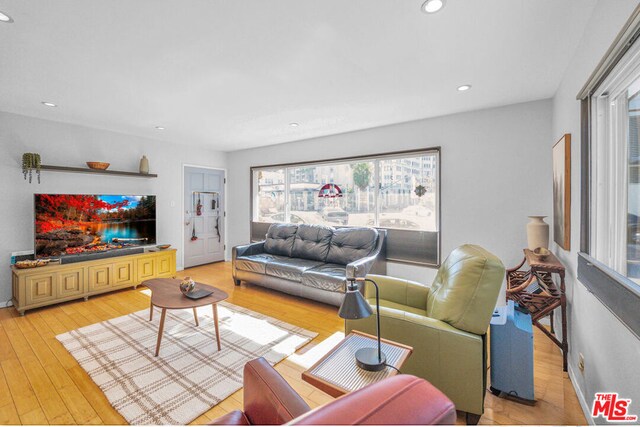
(68, 224)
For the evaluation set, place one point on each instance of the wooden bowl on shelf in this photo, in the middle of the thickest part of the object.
(26, 264)
(32, 263)
(98, 165)
(162, 247)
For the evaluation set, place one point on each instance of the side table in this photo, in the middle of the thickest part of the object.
(536, 290)
(337, 373)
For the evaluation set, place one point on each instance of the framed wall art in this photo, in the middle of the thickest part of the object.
(562, 192)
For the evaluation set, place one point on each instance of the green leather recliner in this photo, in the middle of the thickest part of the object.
(445, 323)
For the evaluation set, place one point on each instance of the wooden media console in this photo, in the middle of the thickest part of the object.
(52, 284)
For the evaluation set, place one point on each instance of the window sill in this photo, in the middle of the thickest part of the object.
(616, 292)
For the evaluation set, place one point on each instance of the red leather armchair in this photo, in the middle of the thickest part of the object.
(402, 399)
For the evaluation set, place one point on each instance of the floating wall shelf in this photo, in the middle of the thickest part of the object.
(96, 171)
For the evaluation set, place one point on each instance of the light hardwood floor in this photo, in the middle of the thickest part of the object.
(40, 383)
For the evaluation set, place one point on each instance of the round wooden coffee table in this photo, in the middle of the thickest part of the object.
(165, 294)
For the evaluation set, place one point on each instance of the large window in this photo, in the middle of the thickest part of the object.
(393, 191)
(615, 184)
(609, 258)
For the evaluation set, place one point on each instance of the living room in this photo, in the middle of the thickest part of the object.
(293, 161)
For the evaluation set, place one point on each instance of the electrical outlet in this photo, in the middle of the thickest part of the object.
(581, 362)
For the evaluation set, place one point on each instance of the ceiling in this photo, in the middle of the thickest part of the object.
(234, 74)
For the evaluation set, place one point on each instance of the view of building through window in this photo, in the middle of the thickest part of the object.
(387, 192)
(270, 196)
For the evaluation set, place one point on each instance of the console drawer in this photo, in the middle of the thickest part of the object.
(165, 264)
(123, 273)
(146, 269)
(70, 283)
(40, 288)
(100, 277)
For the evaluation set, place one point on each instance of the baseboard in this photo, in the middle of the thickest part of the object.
(7, 304)
(586, 409)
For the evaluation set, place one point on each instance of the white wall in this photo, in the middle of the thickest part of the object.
(496, 170)
(70, 145)
(611, 351)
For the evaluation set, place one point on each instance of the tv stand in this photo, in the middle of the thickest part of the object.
(55, 283)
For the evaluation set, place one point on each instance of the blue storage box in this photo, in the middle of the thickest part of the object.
(512, 354)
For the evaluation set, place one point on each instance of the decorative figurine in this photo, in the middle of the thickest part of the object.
(144, 165)
(187, 285)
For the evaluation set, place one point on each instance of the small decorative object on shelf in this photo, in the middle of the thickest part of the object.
(187, 285)
(537, 232)
(32, 263)
(162, 247)
(144, 165)
(98, 165)
(542, 253)
(31, 162)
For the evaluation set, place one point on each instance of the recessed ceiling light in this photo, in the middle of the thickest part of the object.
(294, 125)
(49, 104)
(464, 88)
(433, 6)
(5, 18)
(159, 127)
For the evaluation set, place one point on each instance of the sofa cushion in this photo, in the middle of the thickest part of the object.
(279, 240)
(256, 263)
(312, 242)
(465, 290)
(330, 277)
(350, 244)
(290, 268)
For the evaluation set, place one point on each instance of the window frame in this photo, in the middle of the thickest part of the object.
(417, 238)
(609, 175)
(618, 293)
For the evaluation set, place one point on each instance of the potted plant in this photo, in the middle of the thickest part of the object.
(31, 162)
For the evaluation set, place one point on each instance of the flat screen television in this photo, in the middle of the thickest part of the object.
(71, 224)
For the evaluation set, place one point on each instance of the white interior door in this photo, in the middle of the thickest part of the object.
(203, 215)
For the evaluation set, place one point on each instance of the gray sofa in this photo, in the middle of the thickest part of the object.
(310, 261)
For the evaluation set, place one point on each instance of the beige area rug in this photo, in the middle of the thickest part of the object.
(189, 376)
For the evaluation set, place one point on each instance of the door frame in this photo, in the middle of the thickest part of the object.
(183, 214)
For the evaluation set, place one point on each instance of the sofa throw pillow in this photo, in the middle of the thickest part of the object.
(279, 240)
(350, 244)
(312, 242)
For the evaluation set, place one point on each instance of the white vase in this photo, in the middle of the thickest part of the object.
(144, 165)
(537, 232)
